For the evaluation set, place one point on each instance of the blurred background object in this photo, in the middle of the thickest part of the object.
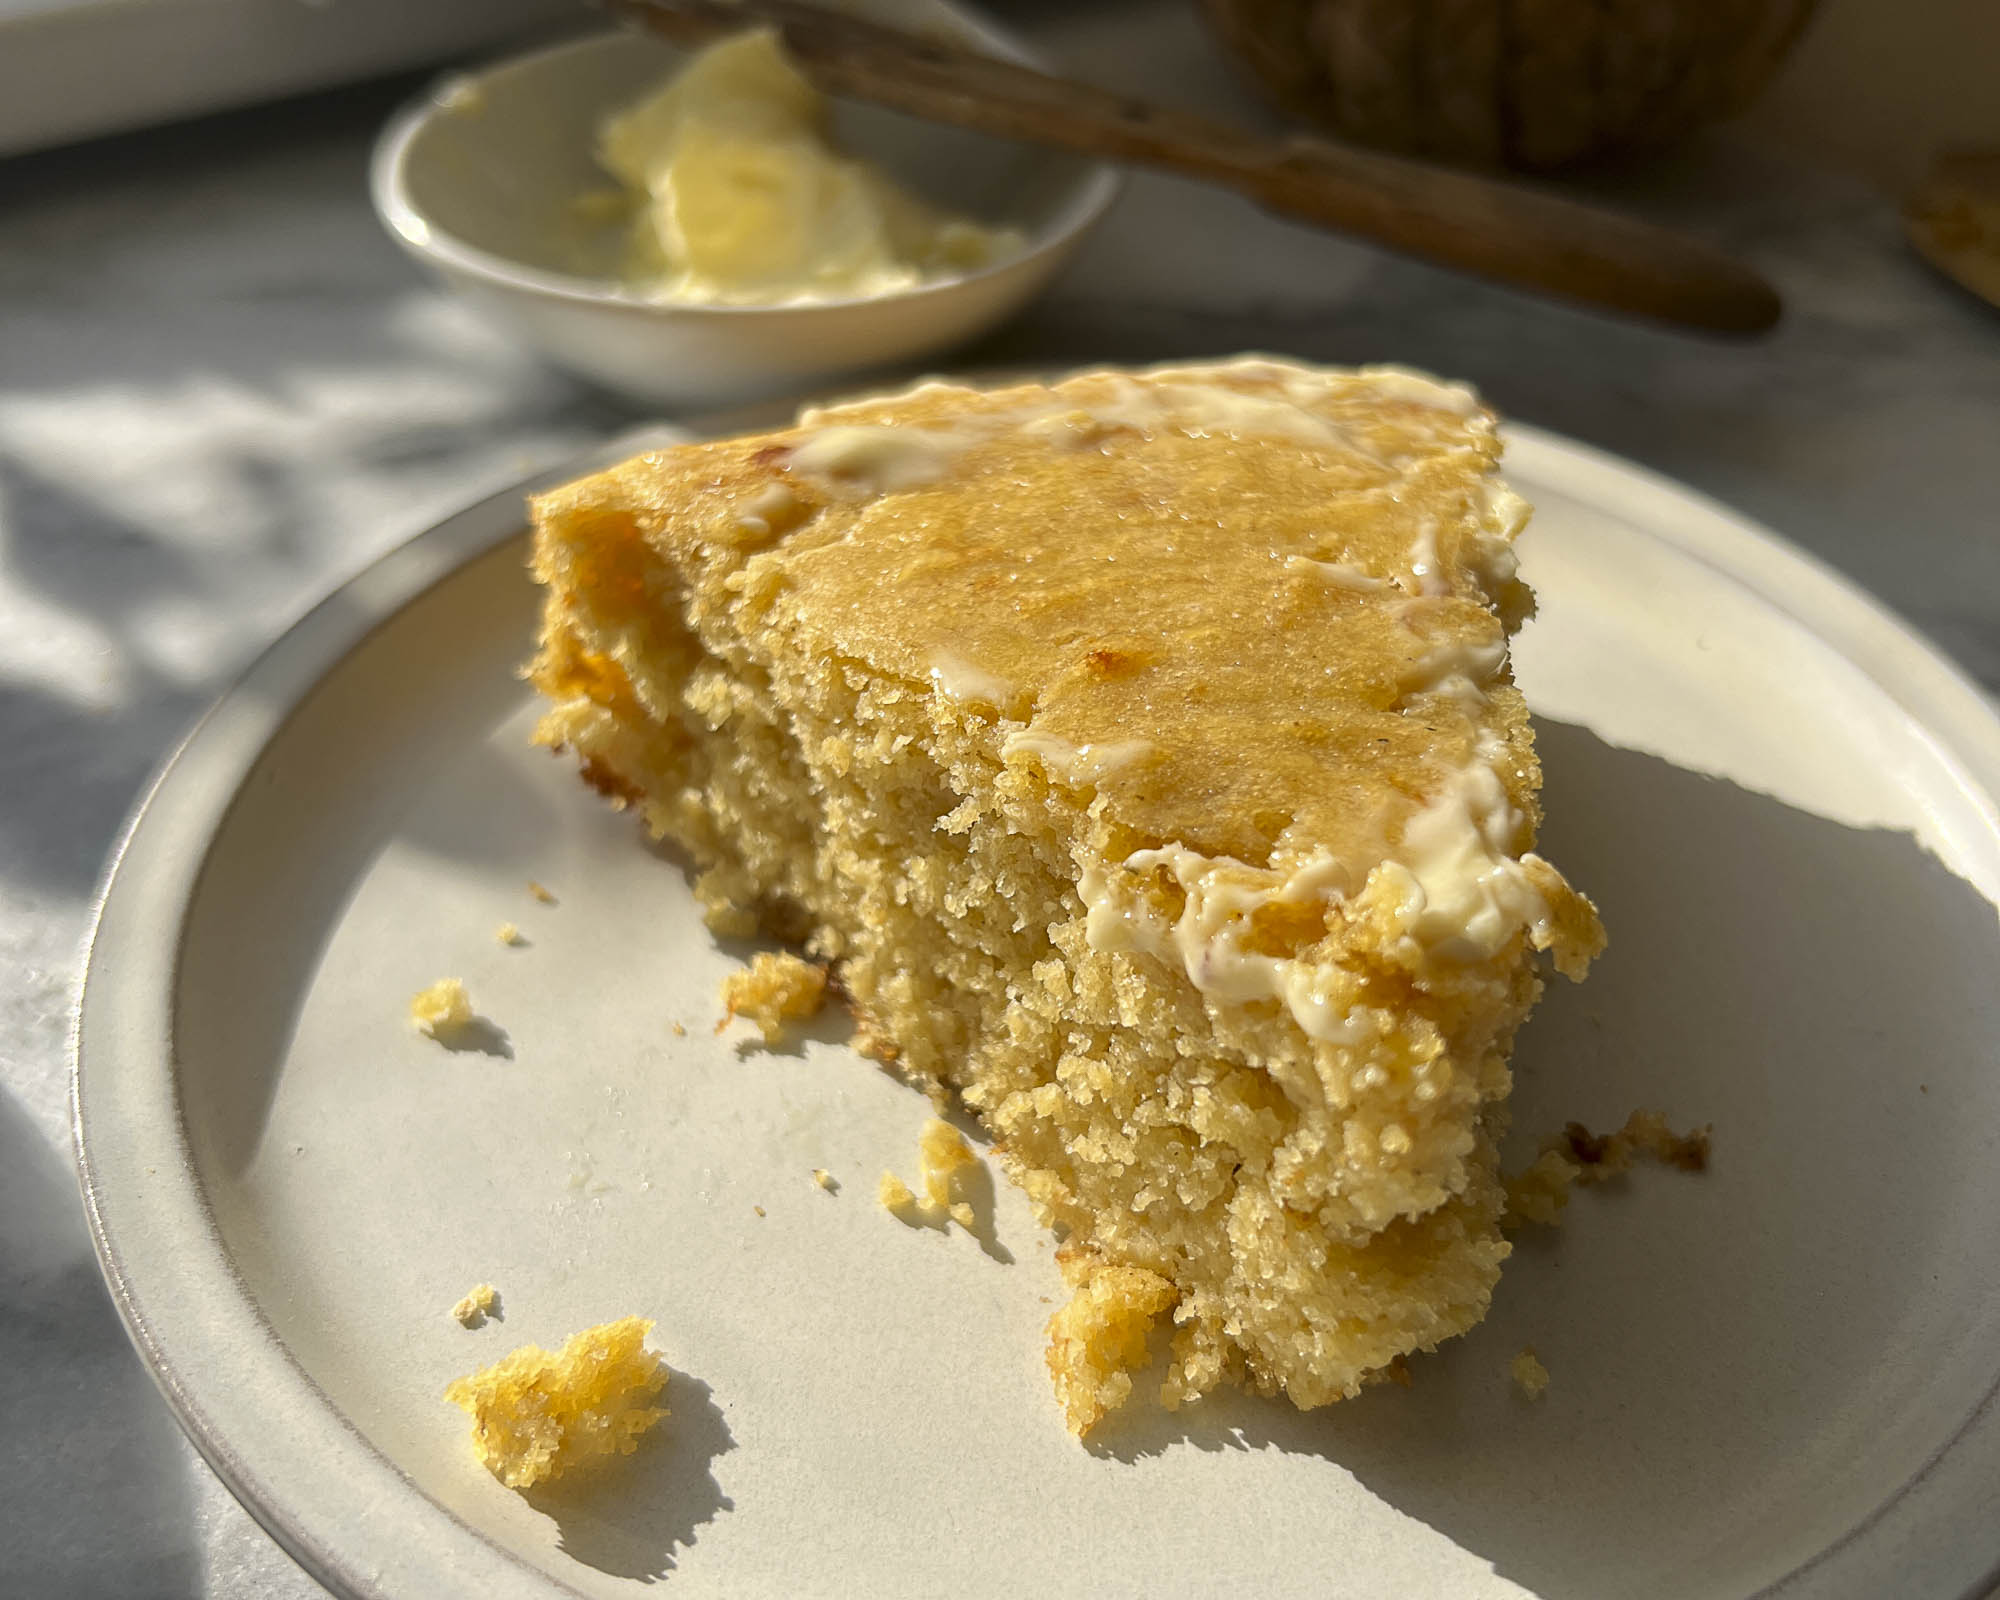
(72, 69)
(1528, 84)
(1953, 219)
(1877, 88)
(1869, 88)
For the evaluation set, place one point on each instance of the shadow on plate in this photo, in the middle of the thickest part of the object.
(1745, 1363)
(492, 818)
(630, 1521)
(479, 1036)
(834, 1024)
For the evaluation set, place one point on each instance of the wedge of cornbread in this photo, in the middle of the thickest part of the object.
(1141, 750)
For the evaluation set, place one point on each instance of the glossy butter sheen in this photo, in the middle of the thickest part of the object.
(1154, 596)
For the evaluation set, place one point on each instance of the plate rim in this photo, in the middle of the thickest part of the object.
(353, 1554)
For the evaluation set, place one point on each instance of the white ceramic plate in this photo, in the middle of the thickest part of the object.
(1777, 1378)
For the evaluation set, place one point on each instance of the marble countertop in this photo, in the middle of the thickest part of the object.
(222, 390)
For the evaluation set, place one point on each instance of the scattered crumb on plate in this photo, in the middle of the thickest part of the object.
(1540, 1191)
(442, 1007)
(1528, 1373)
(476, 1306)
(540, 893)
(537, 1415)
(776, 988)
(896, 1197)
(945, 1162)
(758, 1209)
(679, 1029)
(1645, 1134)
(824, 1179)
(507, 933)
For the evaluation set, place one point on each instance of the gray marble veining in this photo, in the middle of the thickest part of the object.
(221, 389)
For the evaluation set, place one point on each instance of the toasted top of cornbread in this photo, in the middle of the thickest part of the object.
(1278, 670)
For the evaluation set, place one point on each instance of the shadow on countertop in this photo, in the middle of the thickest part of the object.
(97, 1496)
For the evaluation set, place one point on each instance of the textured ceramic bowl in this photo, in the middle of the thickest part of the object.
(481, 181)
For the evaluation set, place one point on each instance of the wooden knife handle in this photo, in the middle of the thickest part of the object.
(1498, 230)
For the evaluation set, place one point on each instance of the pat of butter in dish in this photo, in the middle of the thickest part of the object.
(745, 201)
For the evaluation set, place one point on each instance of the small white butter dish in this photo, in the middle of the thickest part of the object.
(492, 181)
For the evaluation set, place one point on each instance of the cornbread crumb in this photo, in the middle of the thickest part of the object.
(442, 1008)
(476, 1306)
(1528, 1373)
(507, 933)
(679, 1029)
(1540, 1192)
(540, 893)
(536, 1416)
(1645, 1133)
(1100, 1335)
(944, 1159)
(944, 1164)
(824, 1179)
(774, 989)
(758, 1209)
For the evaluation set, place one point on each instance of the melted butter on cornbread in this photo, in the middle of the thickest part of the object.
(1143, 748)
(1008, 614)
(1138, 630)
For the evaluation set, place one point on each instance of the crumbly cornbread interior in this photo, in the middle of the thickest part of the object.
(1142, 751)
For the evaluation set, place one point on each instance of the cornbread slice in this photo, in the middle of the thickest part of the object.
(1142, 751)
